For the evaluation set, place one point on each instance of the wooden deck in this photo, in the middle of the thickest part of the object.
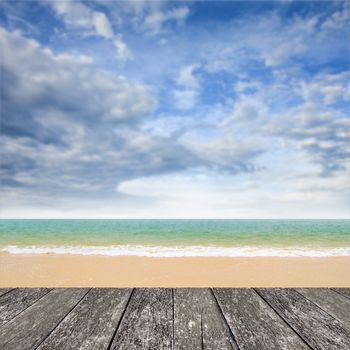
(174, 319)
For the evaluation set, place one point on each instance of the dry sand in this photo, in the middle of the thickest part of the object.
(100, 271)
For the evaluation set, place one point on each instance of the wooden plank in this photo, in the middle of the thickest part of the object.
(315, 326)
(28, 329)
(92, 323)
(12, 304)
(198, 322)
(5, 290)
(254, 324)
(148, 321)
(330, 301)
(343, 291)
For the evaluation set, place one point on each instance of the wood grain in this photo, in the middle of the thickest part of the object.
(198, 322)
(148, 321)
(12, 304)
(343, 291)
(92, 323)
(314, 325)
(254, 324)
(176, 319)
(5, 290)
(330, 301)
(28, 329)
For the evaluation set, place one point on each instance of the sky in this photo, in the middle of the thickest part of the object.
(169, 109)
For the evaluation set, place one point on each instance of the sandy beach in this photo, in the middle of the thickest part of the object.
(52, 270)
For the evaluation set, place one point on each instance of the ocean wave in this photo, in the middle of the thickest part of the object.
(188, 251)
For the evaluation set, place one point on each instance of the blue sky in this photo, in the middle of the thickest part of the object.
(146, 109)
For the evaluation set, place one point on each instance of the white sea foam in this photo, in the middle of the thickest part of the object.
(188, 251)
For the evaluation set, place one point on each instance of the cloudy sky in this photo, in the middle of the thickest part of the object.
(144, 109)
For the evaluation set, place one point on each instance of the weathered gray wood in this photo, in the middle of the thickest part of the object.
(148, 321)
(315, 326)
(92, 323)
(28, 329)
(5, 290)
(254, 324)
(330, 301)
(12, 304)
(178, 319)
(198, 321)
(343, 291)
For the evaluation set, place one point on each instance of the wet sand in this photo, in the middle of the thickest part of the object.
(52, 270)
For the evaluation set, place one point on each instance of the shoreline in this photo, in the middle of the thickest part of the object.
(52, 270)
(127, 250)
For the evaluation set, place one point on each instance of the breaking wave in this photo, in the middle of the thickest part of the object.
(186, 251)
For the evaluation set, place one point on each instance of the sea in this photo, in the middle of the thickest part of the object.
(177, 238)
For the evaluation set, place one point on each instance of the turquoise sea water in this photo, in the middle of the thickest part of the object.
(177, 237)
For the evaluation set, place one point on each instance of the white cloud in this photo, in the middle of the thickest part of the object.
(186, 76)
(97, 94)
(123, 52)
(74, 13)
(83, 128)
(186, 96)
(151, 18)
(247, 109)
(215, 195)
(63, 111)
(77, 15)
(74, 132)
(102, 25)
(235, 154)
(307, 114)
(339, 19)
(156, 19)
(268, 39)
(291, 40)
(328, 88)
